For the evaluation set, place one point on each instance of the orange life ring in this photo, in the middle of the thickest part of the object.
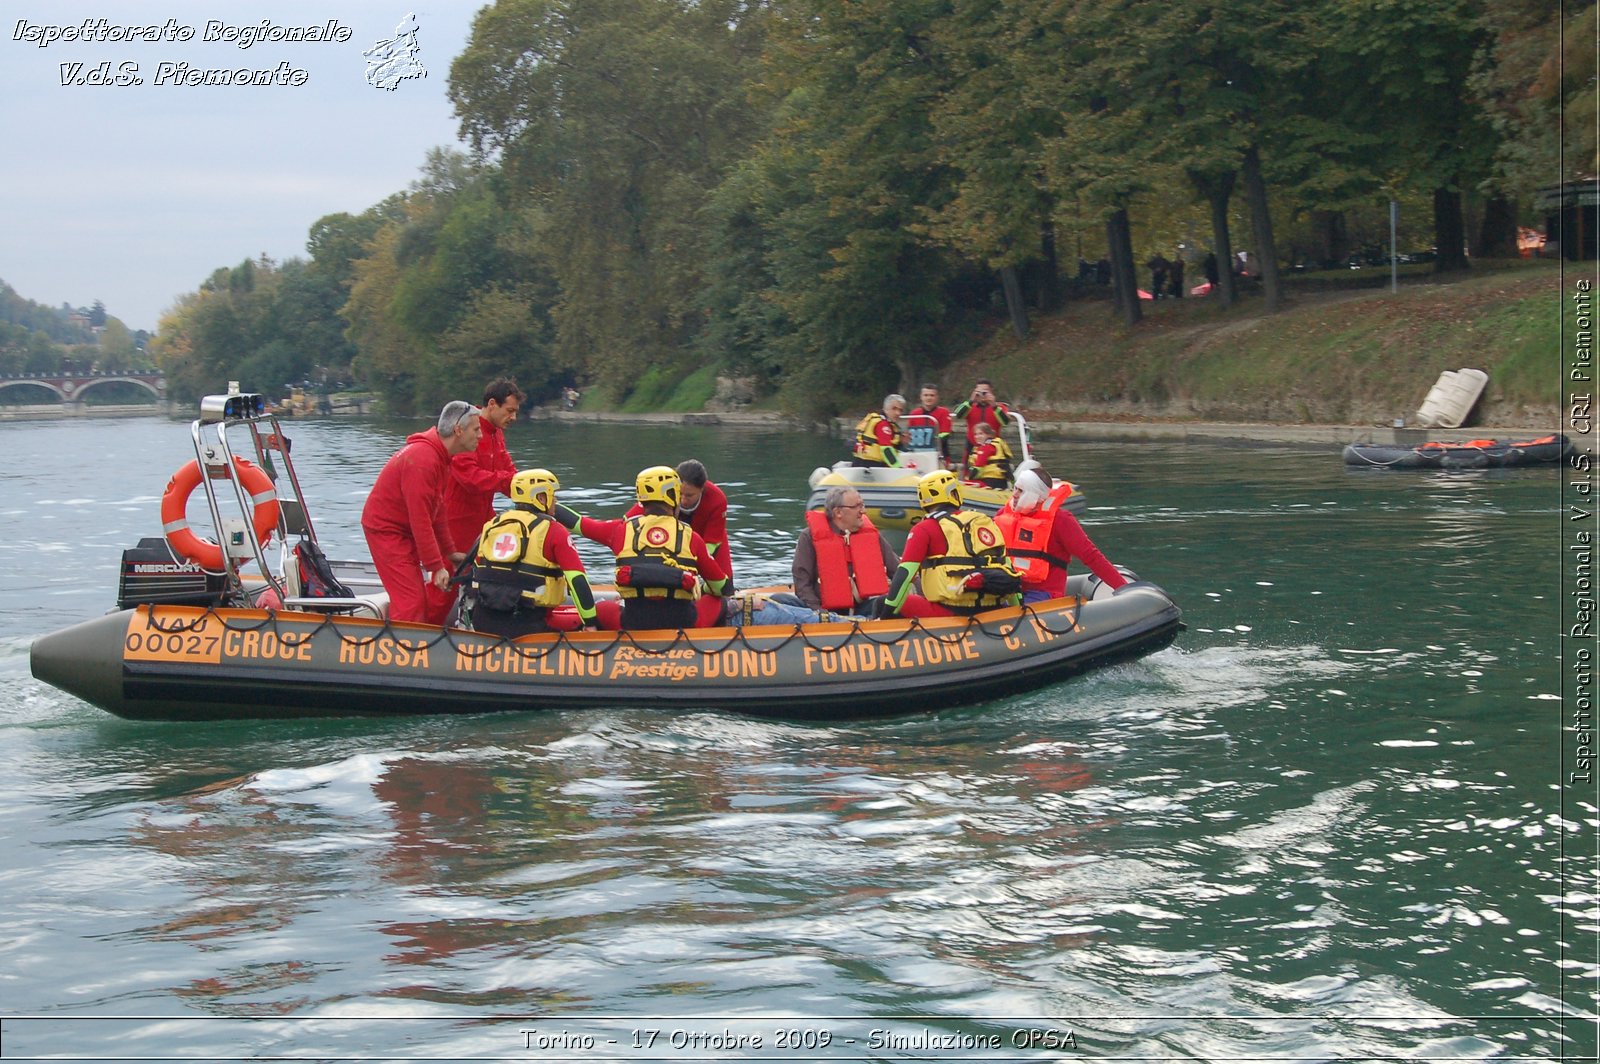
(175, 512)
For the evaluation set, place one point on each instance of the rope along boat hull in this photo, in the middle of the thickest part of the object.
(1474, 454)
(188, 663)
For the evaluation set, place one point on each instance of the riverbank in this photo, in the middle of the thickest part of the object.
(56, 411)
(1341, 352)
(1344, 360)
(1043, 426)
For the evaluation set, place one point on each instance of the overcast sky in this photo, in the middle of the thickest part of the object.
(133, 194)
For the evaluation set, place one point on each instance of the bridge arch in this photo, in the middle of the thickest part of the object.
(84, 386)
(18, 382)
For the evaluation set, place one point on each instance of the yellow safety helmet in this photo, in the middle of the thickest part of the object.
(939, 488)
(658, 484)
(536, 487)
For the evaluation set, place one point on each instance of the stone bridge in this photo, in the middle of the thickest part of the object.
(70, 387)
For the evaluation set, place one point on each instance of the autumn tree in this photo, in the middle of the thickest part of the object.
(612, 121)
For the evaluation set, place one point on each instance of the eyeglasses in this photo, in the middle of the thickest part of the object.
(857, 506)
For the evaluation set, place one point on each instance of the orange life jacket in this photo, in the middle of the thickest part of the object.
(1028, 537)
(848, 571)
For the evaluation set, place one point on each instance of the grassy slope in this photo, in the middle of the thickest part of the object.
(1336, 354)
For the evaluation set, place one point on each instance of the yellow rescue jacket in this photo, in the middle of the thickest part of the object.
(999, 465)
(973, 544)
(867, 446)
(511, 568)
(657, 553)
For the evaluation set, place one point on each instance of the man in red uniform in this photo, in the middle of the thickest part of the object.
(1043, 537)
(942, 426)
(526, 565)
(658, 556)
(704, 506)
(983, 407)
(475, 477)
(960, 553)
(404, 518)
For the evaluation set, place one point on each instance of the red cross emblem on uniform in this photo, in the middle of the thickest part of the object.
(505, 545)
(986, 537)
(656, 537)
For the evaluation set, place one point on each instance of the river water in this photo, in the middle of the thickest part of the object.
(1329, 823)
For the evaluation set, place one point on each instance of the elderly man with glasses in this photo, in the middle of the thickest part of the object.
(404, 517)
(840, 561)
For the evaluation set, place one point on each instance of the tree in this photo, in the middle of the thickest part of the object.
(1402, 67)
(614, 119)
(384, 357)
(116, 346)
(259, 323)
(1534, 78)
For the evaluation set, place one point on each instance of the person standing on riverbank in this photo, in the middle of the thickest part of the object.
(477, 476)
(1158, 275)
(404, 518)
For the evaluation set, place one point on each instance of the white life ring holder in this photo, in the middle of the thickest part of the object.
(175, 516)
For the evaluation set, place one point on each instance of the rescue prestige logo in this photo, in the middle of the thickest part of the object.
(177, 72)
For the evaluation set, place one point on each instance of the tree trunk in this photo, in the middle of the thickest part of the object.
(1050, 297)
(1124, 281)
(1497, 239)
(1218, 190)
(1333, 239)
(1016, 306)
(1449, 231)
(1255, 193)
(910, 375)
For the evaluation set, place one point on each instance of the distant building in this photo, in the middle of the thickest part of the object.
(1570, 217)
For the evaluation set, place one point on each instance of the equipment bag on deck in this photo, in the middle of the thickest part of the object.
(316, 574)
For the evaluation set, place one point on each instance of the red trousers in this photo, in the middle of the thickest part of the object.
(917, 606)
(411, 597)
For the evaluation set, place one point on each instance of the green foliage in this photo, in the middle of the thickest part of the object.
(660, 389)
(614, 120)
(54, 326)
(821, 195)
(264, 325)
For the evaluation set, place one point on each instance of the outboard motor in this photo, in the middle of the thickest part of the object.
(151, 574)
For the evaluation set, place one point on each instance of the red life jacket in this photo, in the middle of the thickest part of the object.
(1028, 537)
(839, 562)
